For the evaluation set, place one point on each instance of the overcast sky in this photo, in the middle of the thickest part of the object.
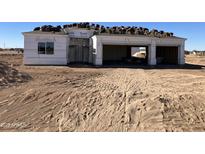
(11, 33)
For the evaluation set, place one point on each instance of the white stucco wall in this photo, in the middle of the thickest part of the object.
(79, 33)
(61, 46)
(31, 56)
(151, 42)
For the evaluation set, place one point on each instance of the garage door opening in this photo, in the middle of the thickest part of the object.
(167, 55)
(124, 54)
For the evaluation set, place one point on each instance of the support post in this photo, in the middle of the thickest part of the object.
(90, 60)
(181, 60)
(152, 54)
(99, 54)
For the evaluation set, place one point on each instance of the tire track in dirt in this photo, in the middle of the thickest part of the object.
(120, 99)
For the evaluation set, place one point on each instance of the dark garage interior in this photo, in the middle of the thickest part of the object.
(122, 54)
(167, 55)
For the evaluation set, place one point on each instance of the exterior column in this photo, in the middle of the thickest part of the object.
(98, 56)
(181, 60)
(90, 50)
(68, 50)
(152, 54)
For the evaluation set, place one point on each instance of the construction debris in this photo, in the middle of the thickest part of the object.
(48, 28)
(100, 29)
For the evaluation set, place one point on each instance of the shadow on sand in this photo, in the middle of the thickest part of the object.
(185, 66)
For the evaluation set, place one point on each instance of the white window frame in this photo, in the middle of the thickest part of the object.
(45, 48)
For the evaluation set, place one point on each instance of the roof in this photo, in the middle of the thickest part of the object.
(65, 32)
(134, 35)
(40, 32)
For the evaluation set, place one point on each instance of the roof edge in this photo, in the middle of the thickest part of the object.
(174, 37)
(44, 33)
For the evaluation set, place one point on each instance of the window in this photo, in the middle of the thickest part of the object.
(46, 48)
(41, 48)
(49, 48)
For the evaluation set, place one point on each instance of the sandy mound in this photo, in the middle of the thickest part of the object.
(10, 76)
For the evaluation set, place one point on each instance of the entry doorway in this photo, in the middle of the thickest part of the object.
(78, 54)
(78, 50)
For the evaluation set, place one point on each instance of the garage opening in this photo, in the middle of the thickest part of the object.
(125, 54)
(167, 55)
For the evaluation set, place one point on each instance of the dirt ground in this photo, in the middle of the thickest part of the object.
(61, 98)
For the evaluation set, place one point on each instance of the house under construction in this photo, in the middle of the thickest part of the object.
(95, 44)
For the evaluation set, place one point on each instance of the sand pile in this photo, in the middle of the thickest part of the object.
(10, 76)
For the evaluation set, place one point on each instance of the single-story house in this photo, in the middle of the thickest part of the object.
(85, 45)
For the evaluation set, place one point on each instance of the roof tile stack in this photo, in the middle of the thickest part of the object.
(100, 29)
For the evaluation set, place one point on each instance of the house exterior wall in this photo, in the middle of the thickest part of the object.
(31, 56)
(80, 33)
(96, 42)
(151, 42)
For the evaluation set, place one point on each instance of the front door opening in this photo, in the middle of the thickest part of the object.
(79, 50)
